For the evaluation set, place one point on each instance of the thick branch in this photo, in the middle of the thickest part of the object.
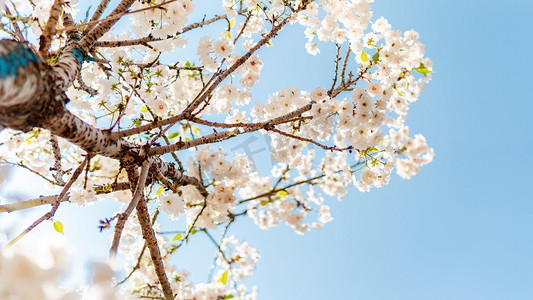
(91, 37)
(97, 14)
(138, 264)
(50, 30)
(224, 135)
(123, 217)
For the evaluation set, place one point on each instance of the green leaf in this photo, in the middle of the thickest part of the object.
(281, 194)
(422, 69)
(187, 64)
(364, 56)
(160, 190)
(224, 278)
(191, 230)
(144, 109)
(173, 135)
(177, 237)
(58, 227)
(375, 57)
(228, 296)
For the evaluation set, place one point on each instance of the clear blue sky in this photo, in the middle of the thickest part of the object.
(463, 227)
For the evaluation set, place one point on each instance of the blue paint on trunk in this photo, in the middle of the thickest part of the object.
(78, 55)
(21, 56)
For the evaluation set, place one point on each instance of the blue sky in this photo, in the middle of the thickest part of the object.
(463, 227)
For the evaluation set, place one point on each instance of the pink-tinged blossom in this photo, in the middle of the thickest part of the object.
(318, 94)
(172, 204)
(249, 78)
(254, 64)
(204, 46)
(381, 25)
(312, 48)
(374, 89)
(223, 47)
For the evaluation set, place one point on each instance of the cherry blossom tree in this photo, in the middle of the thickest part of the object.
(100, 111)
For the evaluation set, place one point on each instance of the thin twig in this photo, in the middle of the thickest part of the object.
(284, 188)
(29, 169)
(343, 72)
(336, 73)
(210, 276)
(212, 239)
(331, 148)
(51, 213)
(18, 33)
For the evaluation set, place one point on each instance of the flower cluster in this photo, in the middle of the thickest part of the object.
(241, 261)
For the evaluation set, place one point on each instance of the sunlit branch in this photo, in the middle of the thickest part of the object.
(224, 135)
(91, 37)
(210, 276)
(138, 264)
(137, 196)
(343, 72)
(43, 200)
(150, 38)
(331, 148)
(97, 14)
(284, 188)
(51, 28)
(151, 242)
(336, 72)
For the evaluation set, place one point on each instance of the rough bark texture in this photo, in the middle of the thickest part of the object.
(90, 38)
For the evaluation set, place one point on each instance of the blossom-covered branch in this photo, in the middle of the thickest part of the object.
(174, 133)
